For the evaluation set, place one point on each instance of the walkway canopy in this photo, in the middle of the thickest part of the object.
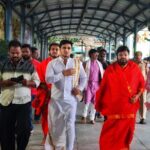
(101, 18)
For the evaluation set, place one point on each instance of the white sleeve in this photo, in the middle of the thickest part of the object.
(101, 70)
(35, 78)
(82, 78)
(50, 76)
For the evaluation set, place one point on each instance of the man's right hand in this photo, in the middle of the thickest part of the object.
(7, 83)
(69, 72)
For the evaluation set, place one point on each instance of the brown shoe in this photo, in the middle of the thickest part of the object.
(92, 122)
(83, 120)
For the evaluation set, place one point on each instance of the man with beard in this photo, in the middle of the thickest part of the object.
(102, 57)
(35, 53)
(143, 65)
(118, 100)
(94, 71)
(17, 76)
(41, 101)
(27, 55)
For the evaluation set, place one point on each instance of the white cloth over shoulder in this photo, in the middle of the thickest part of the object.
(62, 86)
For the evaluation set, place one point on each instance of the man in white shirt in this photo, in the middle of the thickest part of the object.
(62, 107)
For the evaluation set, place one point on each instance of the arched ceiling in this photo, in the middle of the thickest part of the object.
(101, 18)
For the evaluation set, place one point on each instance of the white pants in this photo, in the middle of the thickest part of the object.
(92, 111)
(143, 109)
(62, 115)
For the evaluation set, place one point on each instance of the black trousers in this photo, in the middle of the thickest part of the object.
(0, 127)
(15, 125)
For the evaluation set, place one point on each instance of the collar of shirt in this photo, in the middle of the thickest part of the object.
(20, 61)
(62, 60)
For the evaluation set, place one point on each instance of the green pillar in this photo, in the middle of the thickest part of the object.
(135, 37)
(124, 37)
(110, 49)
(32, 30)
(116, 35)
(22, 18)
(8, 20)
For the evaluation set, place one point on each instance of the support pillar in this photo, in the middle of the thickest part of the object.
(45, 47)
(110, 49)
(116, 41)
(32, 30)
(8, 20)
(22, 23)
(41, 48)
(105, 42)
(124, 37)
(135, 36)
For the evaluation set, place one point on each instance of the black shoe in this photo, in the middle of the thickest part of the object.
(142, 121)
(92, 122)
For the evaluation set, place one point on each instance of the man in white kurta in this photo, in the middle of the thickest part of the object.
(62, 107)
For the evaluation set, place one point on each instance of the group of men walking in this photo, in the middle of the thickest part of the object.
(54, 86)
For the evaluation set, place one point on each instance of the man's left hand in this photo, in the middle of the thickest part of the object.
(134, 99)
(24, 82)
(76, 91)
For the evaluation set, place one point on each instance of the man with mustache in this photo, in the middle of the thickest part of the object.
(41, 101)
(118, 100)
(27, 55)
(17, 76)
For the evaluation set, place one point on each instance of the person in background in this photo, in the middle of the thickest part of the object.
(61, 73)
(94, 71)
(17, 76)
(40, 103)
(143, 65)
(105, 63)
(118, 99)
(27, 55)
(102, 57)
(35, 53)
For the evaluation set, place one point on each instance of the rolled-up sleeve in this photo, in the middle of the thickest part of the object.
(35, 78)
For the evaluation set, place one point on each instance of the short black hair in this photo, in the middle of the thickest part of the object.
(91, 51)
(71, 55)
(99, 48)
(102, 50)
(33, 49)
(138, 52)
(26, 46)
(14, 43)
(56, 44)
(62, 42)
(122, 48)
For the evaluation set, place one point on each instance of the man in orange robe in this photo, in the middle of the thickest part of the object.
(41, 101)
(118, 100)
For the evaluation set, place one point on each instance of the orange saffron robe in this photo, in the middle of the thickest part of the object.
(113, 101)
(41, 101)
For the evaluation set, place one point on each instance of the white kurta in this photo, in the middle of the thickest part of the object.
(62, 107)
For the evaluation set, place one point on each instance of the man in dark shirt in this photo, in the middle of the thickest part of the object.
(102, 58)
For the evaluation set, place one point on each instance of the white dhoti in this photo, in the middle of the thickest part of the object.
(61, 116)
(143, 109)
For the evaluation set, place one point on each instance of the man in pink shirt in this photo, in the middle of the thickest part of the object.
(94, 71)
